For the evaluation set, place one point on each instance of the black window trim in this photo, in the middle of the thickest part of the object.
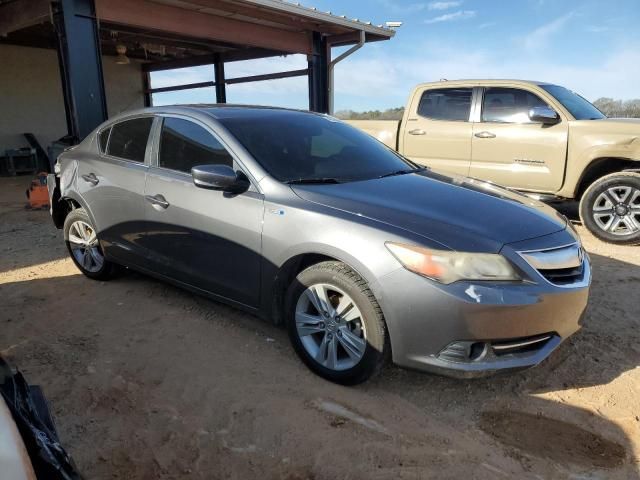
(157, 132)
(452, 87)
(106, 155)
(108, 127)
(480, 105)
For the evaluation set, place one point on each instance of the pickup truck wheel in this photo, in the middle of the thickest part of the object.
(335, 323)
(84, 247)
(610, 208)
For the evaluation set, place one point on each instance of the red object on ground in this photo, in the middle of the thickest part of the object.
(37, 192)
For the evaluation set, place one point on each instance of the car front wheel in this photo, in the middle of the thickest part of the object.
(84, 247)
(335, 323)
(610, 208)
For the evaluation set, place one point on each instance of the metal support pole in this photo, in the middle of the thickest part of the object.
(318, 73)
(80, 62)
(146, 86)
(333, 63)
(221, 88)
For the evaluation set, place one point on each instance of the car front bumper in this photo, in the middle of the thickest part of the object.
(471, 329)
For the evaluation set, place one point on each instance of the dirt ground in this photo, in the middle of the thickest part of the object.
(148, 381)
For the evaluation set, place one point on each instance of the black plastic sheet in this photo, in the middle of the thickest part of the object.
(31, 414)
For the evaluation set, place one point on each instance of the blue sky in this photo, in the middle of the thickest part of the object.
(590, 46)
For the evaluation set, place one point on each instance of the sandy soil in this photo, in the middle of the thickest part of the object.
(148, 381)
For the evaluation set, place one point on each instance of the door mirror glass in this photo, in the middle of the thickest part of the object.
(219, 177)
(544, 115)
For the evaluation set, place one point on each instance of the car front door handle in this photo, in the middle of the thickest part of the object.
(485, 134)
(417, 131)
(91, 178)
(158, 200)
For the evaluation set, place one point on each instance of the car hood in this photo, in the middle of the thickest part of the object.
(457, 212)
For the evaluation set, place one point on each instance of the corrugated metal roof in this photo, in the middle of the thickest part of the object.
(284, 15)
(314, 13)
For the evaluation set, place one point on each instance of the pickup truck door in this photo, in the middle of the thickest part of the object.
(438, 132)
(510, 150)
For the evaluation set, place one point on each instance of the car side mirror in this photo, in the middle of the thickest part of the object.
(544, 115)
(219, 177)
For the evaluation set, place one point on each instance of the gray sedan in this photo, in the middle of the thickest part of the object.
(363, 255)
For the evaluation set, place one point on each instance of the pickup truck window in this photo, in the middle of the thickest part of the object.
(297, 147)
(509, 105)
(453, 104)
(580, 108)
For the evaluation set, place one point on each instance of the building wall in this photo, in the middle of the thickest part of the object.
(31, 94)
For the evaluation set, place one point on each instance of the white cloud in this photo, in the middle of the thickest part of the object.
(541, 36)
(444, 5)
(448, 17)
(482, 26)
(402, 7)
(597, 29)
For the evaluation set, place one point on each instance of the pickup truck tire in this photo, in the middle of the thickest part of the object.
(84, 247)
(610, 208)
(345, 342)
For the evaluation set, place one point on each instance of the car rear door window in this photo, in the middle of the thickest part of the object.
(453, 104)
(509, 105)
(128, 139)
(185, 144)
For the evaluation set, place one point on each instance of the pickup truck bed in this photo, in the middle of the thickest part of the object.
(384, 130)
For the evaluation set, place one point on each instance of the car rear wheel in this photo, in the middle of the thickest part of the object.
(335, 323)
(610, 208)
(84, 247)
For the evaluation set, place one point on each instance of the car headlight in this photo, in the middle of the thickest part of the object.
(449, 266)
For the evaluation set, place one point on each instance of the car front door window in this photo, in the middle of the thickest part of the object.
(185, 144)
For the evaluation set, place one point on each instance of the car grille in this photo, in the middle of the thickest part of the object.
(561, 266)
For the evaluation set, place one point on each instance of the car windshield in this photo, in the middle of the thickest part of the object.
(579, 107)
(298, 147)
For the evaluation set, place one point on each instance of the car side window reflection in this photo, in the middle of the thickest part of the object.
(128, 139)
(509, 105)
(184, 144)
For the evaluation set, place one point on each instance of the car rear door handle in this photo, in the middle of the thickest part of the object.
(158, 200)
(417, 131)
(91, 178)
(485, 134)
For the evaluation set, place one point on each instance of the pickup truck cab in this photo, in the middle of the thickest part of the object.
(538, 138)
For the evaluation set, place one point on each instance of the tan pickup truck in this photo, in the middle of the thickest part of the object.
(539, 138)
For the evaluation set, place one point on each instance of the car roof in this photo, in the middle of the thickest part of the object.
(218, 111)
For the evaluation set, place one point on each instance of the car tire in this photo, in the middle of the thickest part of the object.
(610, 208)
(84, 246)
(352, 326)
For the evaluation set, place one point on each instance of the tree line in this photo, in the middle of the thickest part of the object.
(608, 106)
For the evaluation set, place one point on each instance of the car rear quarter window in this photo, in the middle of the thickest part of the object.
(509, 105)
(103, 138)
(129, 138)
(453, 104)
(185, 144)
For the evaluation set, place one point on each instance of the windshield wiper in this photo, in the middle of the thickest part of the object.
(309, 181)
(403, 172)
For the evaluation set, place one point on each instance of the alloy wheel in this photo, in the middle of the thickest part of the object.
(84, 245)
(617, 210)
(330, 327)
